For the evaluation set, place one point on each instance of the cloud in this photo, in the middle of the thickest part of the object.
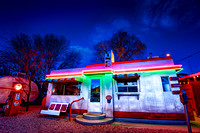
(157, 14)
(105, 31)
(86, 54)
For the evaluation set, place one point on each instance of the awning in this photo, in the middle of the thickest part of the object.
(125, 76)
(60, 80)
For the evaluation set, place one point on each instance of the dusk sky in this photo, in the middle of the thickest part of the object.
(171, 26)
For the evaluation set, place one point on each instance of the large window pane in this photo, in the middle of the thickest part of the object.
(95, 90)
(133, 89)
(72, 88)
(122, 89)
(68, 88)
(57, 89)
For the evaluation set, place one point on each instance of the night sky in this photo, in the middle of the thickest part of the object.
(171, 26)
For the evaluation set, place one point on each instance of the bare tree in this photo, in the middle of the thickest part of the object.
(125, 47)
(58, 55)
(37, 56)
(22, 54)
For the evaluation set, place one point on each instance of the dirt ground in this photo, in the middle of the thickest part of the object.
(32, 122)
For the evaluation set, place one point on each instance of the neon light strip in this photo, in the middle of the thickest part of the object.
(95, 71)
(148, 69)
(63, 75)
(190, 76)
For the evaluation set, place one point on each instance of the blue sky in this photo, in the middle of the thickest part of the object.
(165, 26)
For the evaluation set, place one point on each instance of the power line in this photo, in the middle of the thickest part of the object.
(188, 56)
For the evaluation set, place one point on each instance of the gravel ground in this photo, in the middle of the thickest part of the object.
(31, 122)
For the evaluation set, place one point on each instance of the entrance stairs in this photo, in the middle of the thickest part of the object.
(93, 119)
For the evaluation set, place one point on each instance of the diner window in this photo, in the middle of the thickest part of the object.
(69, 88)
(165, 83)
(127, 85)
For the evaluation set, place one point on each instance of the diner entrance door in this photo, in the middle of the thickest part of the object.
(95, 96)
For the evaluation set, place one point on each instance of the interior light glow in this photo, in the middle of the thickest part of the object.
(53, 90)
(168, 55)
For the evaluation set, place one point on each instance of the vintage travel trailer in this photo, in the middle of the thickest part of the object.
(146, 88)
(6, 86)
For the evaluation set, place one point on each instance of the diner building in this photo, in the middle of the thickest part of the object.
(146, 88)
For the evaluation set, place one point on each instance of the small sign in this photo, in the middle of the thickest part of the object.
(17, 96)
(108, 97)
(108, 62)
(16, 103)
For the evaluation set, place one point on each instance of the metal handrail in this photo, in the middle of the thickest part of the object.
(71, 106)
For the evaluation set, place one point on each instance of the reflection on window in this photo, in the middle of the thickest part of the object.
(165, 83)
(95, 90)
(127, 85)
(70, 88)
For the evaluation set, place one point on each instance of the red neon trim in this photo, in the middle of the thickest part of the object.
(94, 65)
(142, 60)
(190, 76)
(133, 61)
(97, 71)
(63, 75)
(157, 68)
(149, 69)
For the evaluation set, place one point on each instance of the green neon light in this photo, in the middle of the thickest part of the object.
(150, 72)
(158, 72)
(179, 70)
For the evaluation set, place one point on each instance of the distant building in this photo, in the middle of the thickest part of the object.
(191, 84)
(146, 88)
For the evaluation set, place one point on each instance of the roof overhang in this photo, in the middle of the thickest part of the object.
(114, 70)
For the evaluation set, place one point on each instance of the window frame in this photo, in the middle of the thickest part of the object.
(170, 90)
(138, 87)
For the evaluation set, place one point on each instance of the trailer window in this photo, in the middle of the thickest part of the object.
(70, 88)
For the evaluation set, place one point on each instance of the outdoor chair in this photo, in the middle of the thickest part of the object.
(55, 109)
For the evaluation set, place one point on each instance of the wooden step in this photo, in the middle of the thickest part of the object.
(94, 116)
(83, 121)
